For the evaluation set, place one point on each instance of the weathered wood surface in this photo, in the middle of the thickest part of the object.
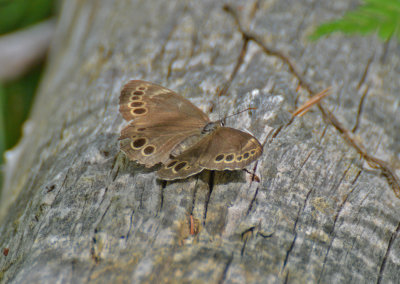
(74, 210)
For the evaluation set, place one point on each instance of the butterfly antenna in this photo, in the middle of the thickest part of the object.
(249, 108)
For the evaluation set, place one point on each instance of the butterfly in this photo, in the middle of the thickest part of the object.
(168, 129)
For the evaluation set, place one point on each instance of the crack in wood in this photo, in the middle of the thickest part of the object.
(239, 62)
(62, 185)
(252, 201)
(306, 159)
(323, 134)
(365, 73)
(301, 209)
(163, 186)
(114, 164)
(104, 196)
(360, 109)
(389, 247)
(225, 271)
(130, 226)
(171, 62)
(193, 199)
(243, 247)
(335, 187)
(246, 235)
(141, 199)
(332, 231)
(285, 261)
(286, 280)
(211, 181)
(385, 50)
(172, 28)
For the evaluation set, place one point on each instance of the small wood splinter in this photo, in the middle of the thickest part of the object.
(312, 101)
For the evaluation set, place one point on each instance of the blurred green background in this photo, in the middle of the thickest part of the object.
(16, 96)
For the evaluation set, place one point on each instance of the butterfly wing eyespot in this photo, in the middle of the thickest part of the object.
(179, 169)
(138, 111)
(135, 98)
(139, 143)
(230, 149)
(230, 158)
(179, 166)
(137, 104)
(149, 150)
(137, 93)
(219, 158)
(171, 164)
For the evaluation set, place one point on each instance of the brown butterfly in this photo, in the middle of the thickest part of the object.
(168, 129)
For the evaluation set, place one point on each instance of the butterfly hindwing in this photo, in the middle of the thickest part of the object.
(230, 149)
(224, 149)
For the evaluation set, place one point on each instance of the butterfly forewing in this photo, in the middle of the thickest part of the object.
(161, 120)
(140, 98)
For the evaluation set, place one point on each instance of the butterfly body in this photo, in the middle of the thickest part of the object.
(168, 129)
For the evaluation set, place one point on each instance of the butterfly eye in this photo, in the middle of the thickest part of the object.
(253, 152)
(246, 155)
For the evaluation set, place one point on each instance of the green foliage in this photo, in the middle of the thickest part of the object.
(16, 96)
(380, 16)
(17, 14)
(2, 125)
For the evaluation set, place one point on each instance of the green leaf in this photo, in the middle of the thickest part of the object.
(374, 16)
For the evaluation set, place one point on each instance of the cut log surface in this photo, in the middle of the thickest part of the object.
(74, 209)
